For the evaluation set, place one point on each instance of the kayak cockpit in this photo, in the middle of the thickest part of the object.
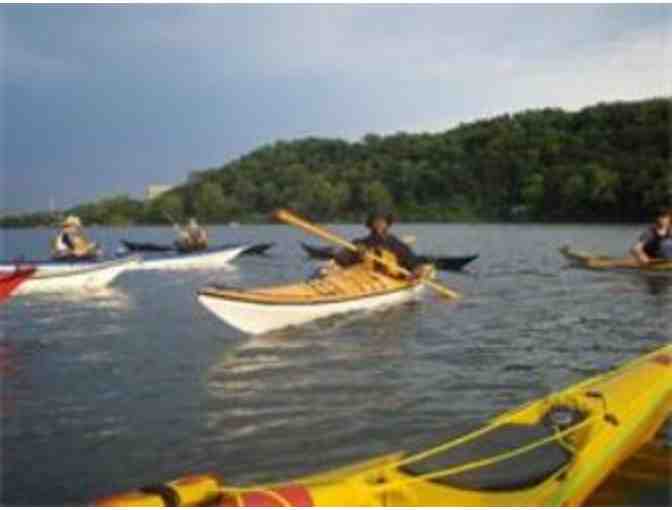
(522, 471)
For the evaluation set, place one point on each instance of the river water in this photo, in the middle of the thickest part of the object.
(138, 383)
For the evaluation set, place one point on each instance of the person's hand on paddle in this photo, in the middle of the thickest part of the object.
(327, 268)
(362, 249)
(365, 254)
(290, 218)
(422, 272)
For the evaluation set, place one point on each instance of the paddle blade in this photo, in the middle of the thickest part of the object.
(444, 291)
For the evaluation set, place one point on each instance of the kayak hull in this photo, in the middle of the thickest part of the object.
(148, 247)
(258, 318)
(67, 277)
(594, 425)
(214, 257)
(587, 260)
(337, 291)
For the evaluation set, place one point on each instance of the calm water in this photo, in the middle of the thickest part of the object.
(136, 384)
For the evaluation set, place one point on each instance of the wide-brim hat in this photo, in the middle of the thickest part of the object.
(378, 215)
(72, 221)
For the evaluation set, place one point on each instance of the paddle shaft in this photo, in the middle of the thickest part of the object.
(176, 226)
(292, 219)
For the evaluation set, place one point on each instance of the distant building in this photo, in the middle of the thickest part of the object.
(155, 190)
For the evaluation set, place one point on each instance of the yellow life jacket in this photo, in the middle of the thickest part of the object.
(388, 264)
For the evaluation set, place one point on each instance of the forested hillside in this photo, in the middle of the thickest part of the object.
(609, 162)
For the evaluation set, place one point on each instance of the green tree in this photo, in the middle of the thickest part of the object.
(210, 205)
(374, 195)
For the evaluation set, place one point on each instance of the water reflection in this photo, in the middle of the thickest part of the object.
(114, 298)
(309, 386)
(656, 285)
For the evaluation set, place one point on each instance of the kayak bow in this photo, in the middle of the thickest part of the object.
(72, 276)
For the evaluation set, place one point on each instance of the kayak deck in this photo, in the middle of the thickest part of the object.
(210, 257)
(553, 451)
(252, 249)
(339, 285)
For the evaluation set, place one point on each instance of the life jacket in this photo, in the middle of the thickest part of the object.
(652, 247)
(60, 245)
(665, 250)
(390, 261)
(69, 244)
(192, 239)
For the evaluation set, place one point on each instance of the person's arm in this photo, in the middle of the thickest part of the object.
(405, 255)
(347, 258)
(419, 266)
(637, 249)
(67, 241)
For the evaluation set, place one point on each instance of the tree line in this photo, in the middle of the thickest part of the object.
(608, 162)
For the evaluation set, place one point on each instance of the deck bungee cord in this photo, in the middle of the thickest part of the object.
(383, 486)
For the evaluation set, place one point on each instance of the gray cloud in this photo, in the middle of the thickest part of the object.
(100, 96)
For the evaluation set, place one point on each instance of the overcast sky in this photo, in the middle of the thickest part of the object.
(101, 100)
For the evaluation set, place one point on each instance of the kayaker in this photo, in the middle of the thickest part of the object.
(71, 243)
(380, 240)
(654, 243)
(192, 238)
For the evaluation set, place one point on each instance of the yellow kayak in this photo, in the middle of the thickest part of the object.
(553, 451)
(647, 472)
(591, 261)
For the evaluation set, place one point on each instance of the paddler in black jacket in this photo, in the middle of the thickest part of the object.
(380, 240)
(656, 241)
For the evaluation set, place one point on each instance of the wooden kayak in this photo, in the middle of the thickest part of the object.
(260, 310)
(51, 276)
(554, 451)
(10, 280)
(591, 261)
(254, 249)
(441, 263)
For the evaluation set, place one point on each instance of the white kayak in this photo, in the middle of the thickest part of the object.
(212, 257)
(257, 311)
(73, 276)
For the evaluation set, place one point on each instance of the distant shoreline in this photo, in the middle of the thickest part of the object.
(349, 223)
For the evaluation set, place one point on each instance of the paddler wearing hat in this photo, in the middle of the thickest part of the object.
(381, 242)
(192, 237)
(71, 243)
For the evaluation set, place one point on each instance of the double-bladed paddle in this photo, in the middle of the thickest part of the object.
(292, 219)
